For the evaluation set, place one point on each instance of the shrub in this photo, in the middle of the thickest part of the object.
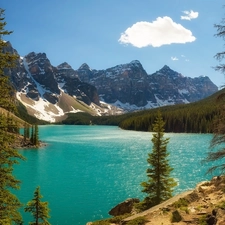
(202, 220)
(116, 219)
(101, 222)
(141, 206)
(138, 221)
(221, 205)
(182, 202)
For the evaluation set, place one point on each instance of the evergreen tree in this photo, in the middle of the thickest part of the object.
(7, 61)
(9, 203)
(25, 133)
(217, 152)
(220, 28)
(32, 135)
(38, 209)
(36, 138)
(217, 149)
(159, 186)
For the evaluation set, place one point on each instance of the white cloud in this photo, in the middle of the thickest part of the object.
(189, 15)
(162, 31)
(174, 58)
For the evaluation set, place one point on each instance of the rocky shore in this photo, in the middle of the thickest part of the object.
(20, 143)
(204, 205)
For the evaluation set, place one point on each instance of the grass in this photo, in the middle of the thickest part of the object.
(202, 220)
(138, 221)
(116, 219)
(221, 205)
(181, 203)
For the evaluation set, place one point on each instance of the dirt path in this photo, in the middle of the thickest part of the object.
(157, 207)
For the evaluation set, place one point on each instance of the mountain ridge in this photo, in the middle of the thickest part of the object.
(40, 86)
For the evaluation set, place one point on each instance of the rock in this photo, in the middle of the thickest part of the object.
(176, 217)
(192, 197)
(124, 207)
(211, 220)
(220, 215)
(219, 212)
(221, 222)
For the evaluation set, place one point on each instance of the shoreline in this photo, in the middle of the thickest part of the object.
(20, 143)
(203, 203)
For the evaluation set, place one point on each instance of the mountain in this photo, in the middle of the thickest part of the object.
(50, 92)
(129, 86)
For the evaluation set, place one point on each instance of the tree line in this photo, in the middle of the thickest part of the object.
(197, 117)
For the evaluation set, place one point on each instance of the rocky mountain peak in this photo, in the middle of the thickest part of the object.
(84, 66)
(64, 65)
(9, 48)
(37, 58)
(169, 72)
(136, 63)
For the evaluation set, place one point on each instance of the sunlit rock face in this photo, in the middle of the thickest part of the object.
(36, 77)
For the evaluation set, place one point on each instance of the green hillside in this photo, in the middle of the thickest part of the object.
(194, 117)
(22, 113)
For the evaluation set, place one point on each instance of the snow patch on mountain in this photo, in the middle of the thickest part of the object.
(132, 107)
(41, 90)
(183, 91)
(41, 109)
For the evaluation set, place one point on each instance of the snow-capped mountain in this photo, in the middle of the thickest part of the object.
(129, 86)
(50, 92)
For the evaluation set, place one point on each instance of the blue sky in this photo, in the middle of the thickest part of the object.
(106, 33)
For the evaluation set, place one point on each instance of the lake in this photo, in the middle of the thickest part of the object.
(84, 171)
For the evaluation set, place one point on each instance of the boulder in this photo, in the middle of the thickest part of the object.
(176, 216)
(124, 207)
(211, 220)
(220, 215)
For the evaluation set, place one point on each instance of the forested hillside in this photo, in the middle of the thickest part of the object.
(195, 117)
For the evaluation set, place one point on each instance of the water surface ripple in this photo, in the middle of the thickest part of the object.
(86, 170)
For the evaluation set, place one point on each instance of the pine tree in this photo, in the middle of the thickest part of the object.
(220, 28)
(217, 150)
(9, 203)
(32, 135)
(159, 186)
(36, 138)
(38, 209)
(7, 61)
(25, 133)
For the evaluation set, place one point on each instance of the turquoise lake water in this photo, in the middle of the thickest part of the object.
(84, 171)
